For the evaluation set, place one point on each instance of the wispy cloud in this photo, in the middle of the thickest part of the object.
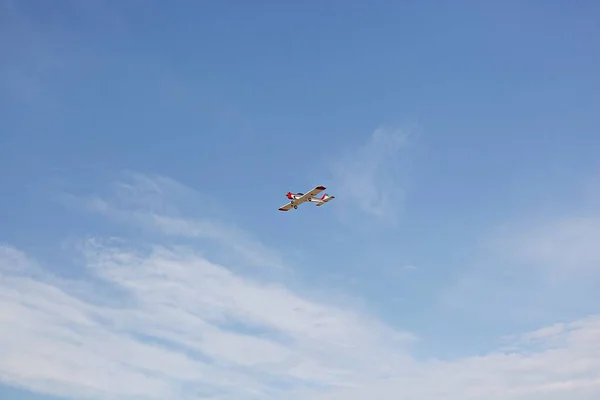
(556, 244)
(534, 269)
(186, 327)
(158, 203)
(559, 372)
(371, 176)
(181, 320)
(151, 320)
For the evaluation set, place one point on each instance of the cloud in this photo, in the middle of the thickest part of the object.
(371, 176)
(555, 371)
(154, 320)
(185, 326)
(556, 244)
(158, 203)
(180, 320)
(533, 269)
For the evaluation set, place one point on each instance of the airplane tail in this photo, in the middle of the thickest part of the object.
(324, 199)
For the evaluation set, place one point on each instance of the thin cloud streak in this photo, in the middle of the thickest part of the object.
(151, 203)
(522, 266)
(371, 176)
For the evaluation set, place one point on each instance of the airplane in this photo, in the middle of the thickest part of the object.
(298, 198)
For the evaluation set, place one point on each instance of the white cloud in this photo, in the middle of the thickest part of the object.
(215, 330)
(534, 268)
(158, 203)
(566, 371)
(163, 321)
(185, 325)
(556, 244)
(371, 176)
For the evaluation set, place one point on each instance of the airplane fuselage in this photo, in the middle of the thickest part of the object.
(295, 196)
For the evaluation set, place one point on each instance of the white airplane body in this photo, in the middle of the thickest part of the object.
(298, 198)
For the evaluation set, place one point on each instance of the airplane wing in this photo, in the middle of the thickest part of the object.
(286, 207)
(308, 195)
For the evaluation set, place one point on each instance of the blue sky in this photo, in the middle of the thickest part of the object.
(145, 149)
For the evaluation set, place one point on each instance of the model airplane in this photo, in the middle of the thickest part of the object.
(298, 198)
